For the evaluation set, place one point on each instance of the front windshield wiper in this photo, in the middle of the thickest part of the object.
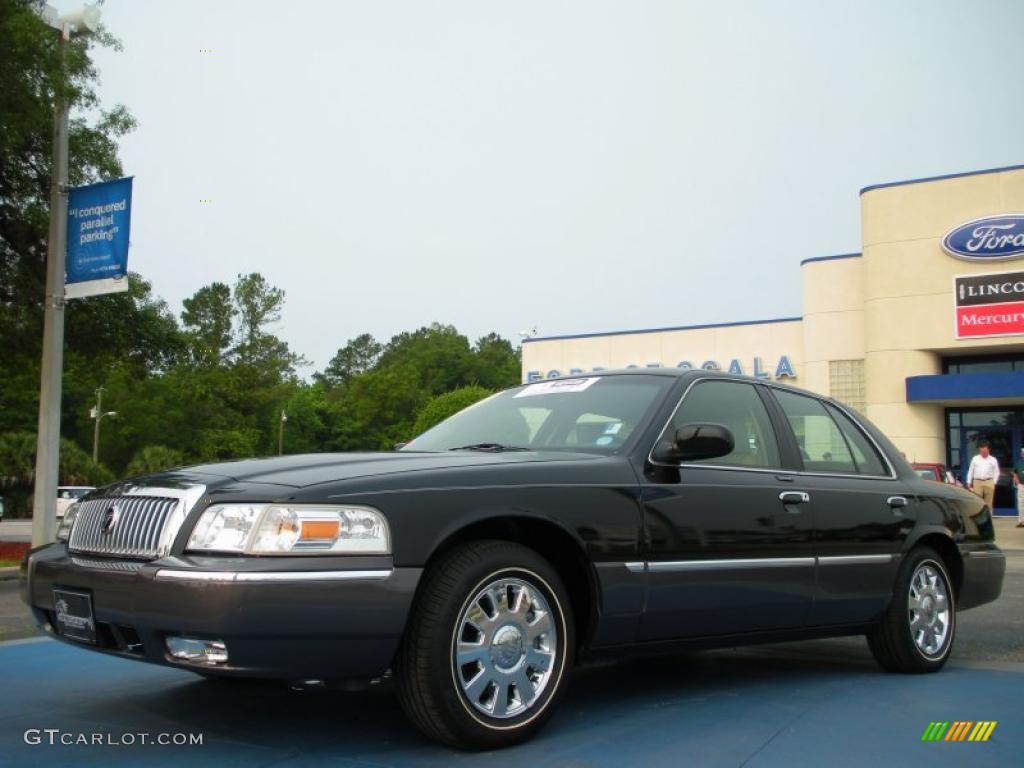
(493, 447)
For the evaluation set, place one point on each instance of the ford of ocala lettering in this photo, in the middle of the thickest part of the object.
(643, 509)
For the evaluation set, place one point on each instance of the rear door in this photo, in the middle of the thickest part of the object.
(860, 517)
(727, 552)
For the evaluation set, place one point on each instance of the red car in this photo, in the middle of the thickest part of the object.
(936, 472)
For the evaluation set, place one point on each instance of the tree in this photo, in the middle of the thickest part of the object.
(357, 356)
(17, 458)
(128, 338)
(377, 409)
(78, 468)
(154, 458)
(258, 305)
(439, 355)
(17, 469)
(308, 426)
(33, 74)
(498, 364)
(448, 404)
(208, 318)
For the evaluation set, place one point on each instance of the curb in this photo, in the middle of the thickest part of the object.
(9, 574)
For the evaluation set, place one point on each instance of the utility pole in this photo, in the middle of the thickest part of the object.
(280, 433)
(44, 500)
(98, 414)
(44, 515)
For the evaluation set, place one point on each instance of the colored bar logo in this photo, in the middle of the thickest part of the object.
(959, 730)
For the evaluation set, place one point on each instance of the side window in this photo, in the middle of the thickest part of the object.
(867, 458)
(822, 446)
(737, 406)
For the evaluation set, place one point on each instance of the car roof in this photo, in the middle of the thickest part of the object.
(691, 373)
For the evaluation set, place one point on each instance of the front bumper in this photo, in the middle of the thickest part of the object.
(288, 618)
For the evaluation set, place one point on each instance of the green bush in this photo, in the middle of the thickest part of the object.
(441, 407)
(154, 458)
(18, 465)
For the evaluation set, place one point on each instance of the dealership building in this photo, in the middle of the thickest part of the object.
(923, 330)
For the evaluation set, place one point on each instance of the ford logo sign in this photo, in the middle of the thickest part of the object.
(992, 238)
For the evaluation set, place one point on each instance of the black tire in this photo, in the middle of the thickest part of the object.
(892, 642)
(428, 679)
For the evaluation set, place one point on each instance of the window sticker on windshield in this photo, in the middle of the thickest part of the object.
(613, 428)
(556, 386)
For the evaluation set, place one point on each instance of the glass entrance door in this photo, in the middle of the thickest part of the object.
(1003, 431)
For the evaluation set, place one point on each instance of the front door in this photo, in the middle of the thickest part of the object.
(730, 537)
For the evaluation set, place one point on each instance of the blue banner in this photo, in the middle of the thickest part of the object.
(99, 217)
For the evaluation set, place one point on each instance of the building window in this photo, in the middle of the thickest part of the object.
(846, 382)
(983, 364)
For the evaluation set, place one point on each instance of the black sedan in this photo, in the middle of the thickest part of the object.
(651, 509)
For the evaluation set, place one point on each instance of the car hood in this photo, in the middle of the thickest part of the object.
(312, 469)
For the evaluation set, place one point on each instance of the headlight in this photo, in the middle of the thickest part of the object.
(225, 528)
(67, 523)
(284, 529)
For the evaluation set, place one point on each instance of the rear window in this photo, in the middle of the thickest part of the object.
(822, 446)
(829, 440)
(864, 454)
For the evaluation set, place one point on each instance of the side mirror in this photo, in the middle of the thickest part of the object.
(694, 442)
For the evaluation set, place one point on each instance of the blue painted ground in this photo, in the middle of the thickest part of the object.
(823, 703)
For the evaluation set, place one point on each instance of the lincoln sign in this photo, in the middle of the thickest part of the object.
(989, 305)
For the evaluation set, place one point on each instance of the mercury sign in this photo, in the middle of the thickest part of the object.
(992, 238)
(99, 216)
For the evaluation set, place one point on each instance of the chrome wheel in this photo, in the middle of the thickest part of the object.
(929, 610)
(505, 648)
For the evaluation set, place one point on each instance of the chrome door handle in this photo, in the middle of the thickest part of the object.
(794, 497)
(897, 501)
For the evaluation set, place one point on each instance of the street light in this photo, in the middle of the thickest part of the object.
(96, 413)
(44, 522)
(280, 433)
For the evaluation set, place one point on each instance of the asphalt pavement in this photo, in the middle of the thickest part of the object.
(793, 704)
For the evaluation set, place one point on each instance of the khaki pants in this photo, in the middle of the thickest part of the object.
(1020, 502)
(986, 489)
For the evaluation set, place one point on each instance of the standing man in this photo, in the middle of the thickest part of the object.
(983, 473)
(1018, 483)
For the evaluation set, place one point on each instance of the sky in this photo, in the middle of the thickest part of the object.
(574, 166)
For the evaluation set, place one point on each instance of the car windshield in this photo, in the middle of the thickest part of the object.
(73, 493)
(927, 474)
(589, 414)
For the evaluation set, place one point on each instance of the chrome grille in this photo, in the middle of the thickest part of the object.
(136, 531)
(127, 566)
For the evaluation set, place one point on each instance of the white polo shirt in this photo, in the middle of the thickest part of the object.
(983, 469)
